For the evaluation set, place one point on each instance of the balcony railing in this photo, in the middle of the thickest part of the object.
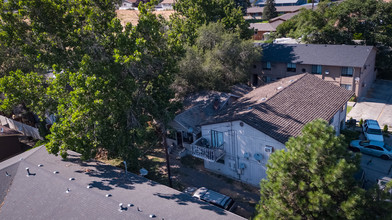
(206, 152)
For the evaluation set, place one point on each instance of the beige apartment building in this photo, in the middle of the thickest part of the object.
(349, 66)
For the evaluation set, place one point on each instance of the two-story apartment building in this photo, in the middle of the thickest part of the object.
(348, 66)
(238, 141)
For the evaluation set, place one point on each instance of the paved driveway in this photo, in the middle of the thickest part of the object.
(376, 105)
(376, 168)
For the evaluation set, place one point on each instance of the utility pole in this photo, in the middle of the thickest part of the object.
(163, 130)
(312, 4)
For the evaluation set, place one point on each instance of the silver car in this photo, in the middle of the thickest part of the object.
(375, 148)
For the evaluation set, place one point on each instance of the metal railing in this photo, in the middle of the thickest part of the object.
(206, 153)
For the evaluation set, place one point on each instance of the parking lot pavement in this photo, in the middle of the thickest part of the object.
(376, 168)
(376, 105)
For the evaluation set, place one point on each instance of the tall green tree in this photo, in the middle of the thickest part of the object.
(218, 60)
(192, 14)
(112, 83)
(269, 10)
(313, 179)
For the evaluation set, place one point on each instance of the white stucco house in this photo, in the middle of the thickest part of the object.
(238, 140)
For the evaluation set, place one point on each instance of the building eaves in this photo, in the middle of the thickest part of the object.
(317, 54)
(281, 109)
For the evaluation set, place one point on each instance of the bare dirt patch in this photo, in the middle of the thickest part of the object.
(132, 16)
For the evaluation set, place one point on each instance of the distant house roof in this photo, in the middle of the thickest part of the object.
(168, 2)
(285, 9)
(277, 2)
(284, 17)
(48, 195)
(330, 55)
(282, 108)
(262, 26)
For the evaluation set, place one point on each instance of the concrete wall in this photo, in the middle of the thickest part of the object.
(239, 140)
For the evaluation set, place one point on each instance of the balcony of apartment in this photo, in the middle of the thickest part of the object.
(202, 149)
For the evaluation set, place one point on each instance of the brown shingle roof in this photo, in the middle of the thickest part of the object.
(282, 108)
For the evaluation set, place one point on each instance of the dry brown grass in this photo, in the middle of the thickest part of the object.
(131, 16)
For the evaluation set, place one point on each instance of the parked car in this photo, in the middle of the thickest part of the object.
(210, 196)
(372, 130)
(375, 148)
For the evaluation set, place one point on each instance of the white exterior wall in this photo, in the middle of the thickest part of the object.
(338, 118)
(239, 140)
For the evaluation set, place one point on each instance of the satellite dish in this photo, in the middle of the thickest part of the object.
(246, 155)
(258, 157)
(143, 172)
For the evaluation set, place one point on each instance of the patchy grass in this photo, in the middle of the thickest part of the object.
(349, 109)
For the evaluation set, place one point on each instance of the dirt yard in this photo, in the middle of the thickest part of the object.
(132, 16)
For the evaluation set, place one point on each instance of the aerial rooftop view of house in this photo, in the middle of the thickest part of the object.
(237, 141)
(37, 185)
(348, 66)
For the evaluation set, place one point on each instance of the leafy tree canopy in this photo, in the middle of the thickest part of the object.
(269, 10)
(111, 84)
(192, 14)
(218, 60)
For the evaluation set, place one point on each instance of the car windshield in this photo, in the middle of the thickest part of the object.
(388, 148)
(374, 131)
(364, 143)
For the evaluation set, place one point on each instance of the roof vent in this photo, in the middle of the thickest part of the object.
(152, 216)
(70, 179)
(263, 99)
(89, 186)
(6, 173)
(28, 172)
(280, 87)
(108, 195)
(130, 205)
(291, 80)
(250, 107)
(1, 130)
(40, 165)
(121, 208)
(56, 172)
(139, 209)
(68, 190)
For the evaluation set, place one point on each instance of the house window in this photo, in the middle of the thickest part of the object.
(291, 67)
(331, 121)
(316, 69)
(346, 86)
(347, 71)
(267, 66)
(216, 138)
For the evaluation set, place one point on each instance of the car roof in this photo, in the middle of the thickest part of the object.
(211, 196)
(373, 124)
